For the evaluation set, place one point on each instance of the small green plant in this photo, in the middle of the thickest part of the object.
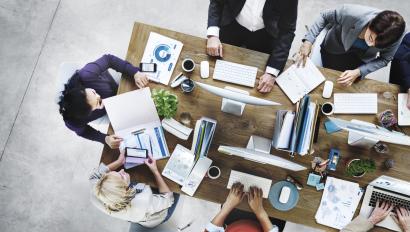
(166, 103)
(359, 167)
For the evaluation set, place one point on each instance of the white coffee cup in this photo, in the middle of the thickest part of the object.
(188, 65)
(214, 172)
(327, 108)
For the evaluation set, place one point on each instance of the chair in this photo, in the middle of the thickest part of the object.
(315, 54)
(65, 72)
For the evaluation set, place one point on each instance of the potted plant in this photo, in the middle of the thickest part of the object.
(359, 167)
(165, 102)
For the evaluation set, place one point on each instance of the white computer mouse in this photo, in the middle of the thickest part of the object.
(204, 69)
(327, 89)
(284, 194)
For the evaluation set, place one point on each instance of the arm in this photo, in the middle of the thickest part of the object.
(117, 163)
(215, 13)
(87, 132)
(213, 44)
(255, 203)
(162, 186)
(386, 55)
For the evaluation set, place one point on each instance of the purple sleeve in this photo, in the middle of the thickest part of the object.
(87, 132)
(104, 63)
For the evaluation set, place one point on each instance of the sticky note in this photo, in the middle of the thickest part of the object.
(313, 179)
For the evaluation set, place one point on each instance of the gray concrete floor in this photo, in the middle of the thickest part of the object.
(43, 166)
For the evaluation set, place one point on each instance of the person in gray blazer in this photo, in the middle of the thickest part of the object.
(360, 40)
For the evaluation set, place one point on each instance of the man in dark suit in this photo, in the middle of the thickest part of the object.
(263, 25)
(400, 67)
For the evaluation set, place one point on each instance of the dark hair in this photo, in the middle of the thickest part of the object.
(73, 101)
(389, 27)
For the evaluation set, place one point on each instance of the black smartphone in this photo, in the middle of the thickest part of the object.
(148, 67)
(136, 152)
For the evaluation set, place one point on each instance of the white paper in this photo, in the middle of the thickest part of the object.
(179, 165)
(403, 111)
(197, 174)
(297, 82)
(286, 130)
(339, 202)
(163, 51)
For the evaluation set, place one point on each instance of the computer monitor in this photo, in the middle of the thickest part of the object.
(373, 132)
(238, 99)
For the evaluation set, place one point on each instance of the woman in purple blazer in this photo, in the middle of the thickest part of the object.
(81, 100)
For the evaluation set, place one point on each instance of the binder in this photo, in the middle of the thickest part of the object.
(302, 131)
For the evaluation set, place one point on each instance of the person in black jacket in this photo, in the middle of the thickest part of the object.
(265, 26)
(400, 67)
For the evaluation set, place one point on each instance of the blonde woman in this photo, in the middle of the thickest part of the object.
(114, 194)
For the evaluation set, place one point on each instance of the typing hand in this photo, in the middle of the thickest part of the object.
(255, 200)
(214, 46)
(266, 83)
(303, 54)
(402, 218)
(235, 196)
(141, 79)
(113, 141)
(348, 77)
(380, 212)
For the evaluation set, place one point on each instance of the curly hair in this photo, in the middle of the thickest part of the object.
(114, 192)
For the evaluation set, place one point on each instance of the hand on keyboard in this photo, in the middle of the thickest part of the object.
(380, 212)
(402, 218)
(235, 196)
(266, 83)
(255, 200)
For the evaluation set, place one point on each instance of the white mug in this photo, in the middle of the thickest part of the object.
(216, 176)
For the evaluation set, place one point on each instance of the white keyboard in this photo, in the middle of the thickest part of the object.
(235, 73)
(355, 103)
(249, 180)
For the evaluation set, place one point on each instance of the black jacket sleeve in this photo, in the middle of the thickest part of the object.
(215, 12)
(283, 42)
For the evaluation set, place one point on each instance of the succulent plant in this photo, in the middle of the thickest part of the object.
(165, 102)
(359, 167)
(389, 163)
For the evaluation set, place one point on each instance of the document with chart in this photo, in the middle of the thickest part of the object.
(297, 82)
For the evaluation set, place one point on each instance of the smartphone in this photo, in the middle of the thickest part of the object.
(148, 67)
(136, 152)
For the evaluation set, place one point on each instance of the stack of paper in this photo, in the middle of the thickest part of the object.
(339, 202)
(204, 132)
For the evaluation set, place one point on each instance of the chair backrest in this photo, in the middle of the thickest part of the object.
(65, 72)
(315, 54)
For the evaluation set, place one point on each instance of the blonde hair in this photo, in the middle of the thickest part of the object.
(114, 192)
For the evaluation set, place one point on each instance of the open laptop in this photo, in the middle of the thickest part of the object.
(386, 188)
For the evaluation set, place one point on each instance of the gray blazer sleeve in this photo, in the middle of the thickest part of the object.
(327, 17)
(386, 55)
(215, 12)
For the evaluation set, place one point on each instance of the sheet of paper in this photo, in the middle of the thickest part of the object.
(286, 130)
(163, 51)
(403, 111)
(197, 174)
(297, 82)
(179, 165)
(339, 202)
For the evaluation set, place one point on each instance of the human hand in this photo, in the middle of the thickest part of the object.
(402, 218)
(141, 79)
(266, 83)
(152, 164)
(121, 157)
(214, 46)
(380, 212)
(255, 200)
(348, 77)
(113, 141)
(235, 196)
(304, 52)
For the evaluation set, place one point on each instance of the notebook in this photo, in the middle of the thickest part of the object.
(403, 112)
(297, 82)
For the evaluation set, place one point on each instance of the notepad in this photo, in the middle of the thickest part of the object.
(297, 82)
(403, 112)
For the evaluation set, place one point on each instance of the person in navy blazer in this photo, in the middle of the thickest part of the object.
(400, 67)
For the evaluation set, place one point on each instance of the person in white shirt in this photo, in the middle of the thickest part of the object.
(263, 25)
(235, 197)
(113, 193)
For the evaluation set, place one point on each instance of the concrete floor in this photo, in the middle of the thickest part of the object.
(43, 166)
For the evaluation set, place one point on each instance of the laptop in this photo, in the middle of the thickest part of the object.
(386, 188)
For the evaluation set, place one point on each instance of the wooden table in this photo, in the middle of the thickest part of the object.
(258, 120)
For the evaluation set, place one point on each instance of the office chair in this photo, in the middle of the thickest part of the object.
(65, 72)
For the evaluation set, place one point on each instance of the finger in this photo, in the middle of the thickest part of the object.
(344, 74)
(377, 204)
(260, 192)
(395, 219)
(220, 50)
(261, 83)
(298, 60)
(390, 208)
(264, 89)
(383, 205)
(304, 60)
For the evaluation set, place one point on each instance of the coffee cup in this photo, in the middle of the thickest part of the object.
(187, 85)
(214, 172)
(327, 108)
(188, 65)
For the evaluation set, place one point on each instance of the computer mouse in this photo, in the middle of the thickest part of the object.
(327, 89)
(204, 69)
(284, 195)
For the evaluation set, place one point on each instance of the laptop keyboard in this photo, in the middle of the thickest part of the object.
(385, 197)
